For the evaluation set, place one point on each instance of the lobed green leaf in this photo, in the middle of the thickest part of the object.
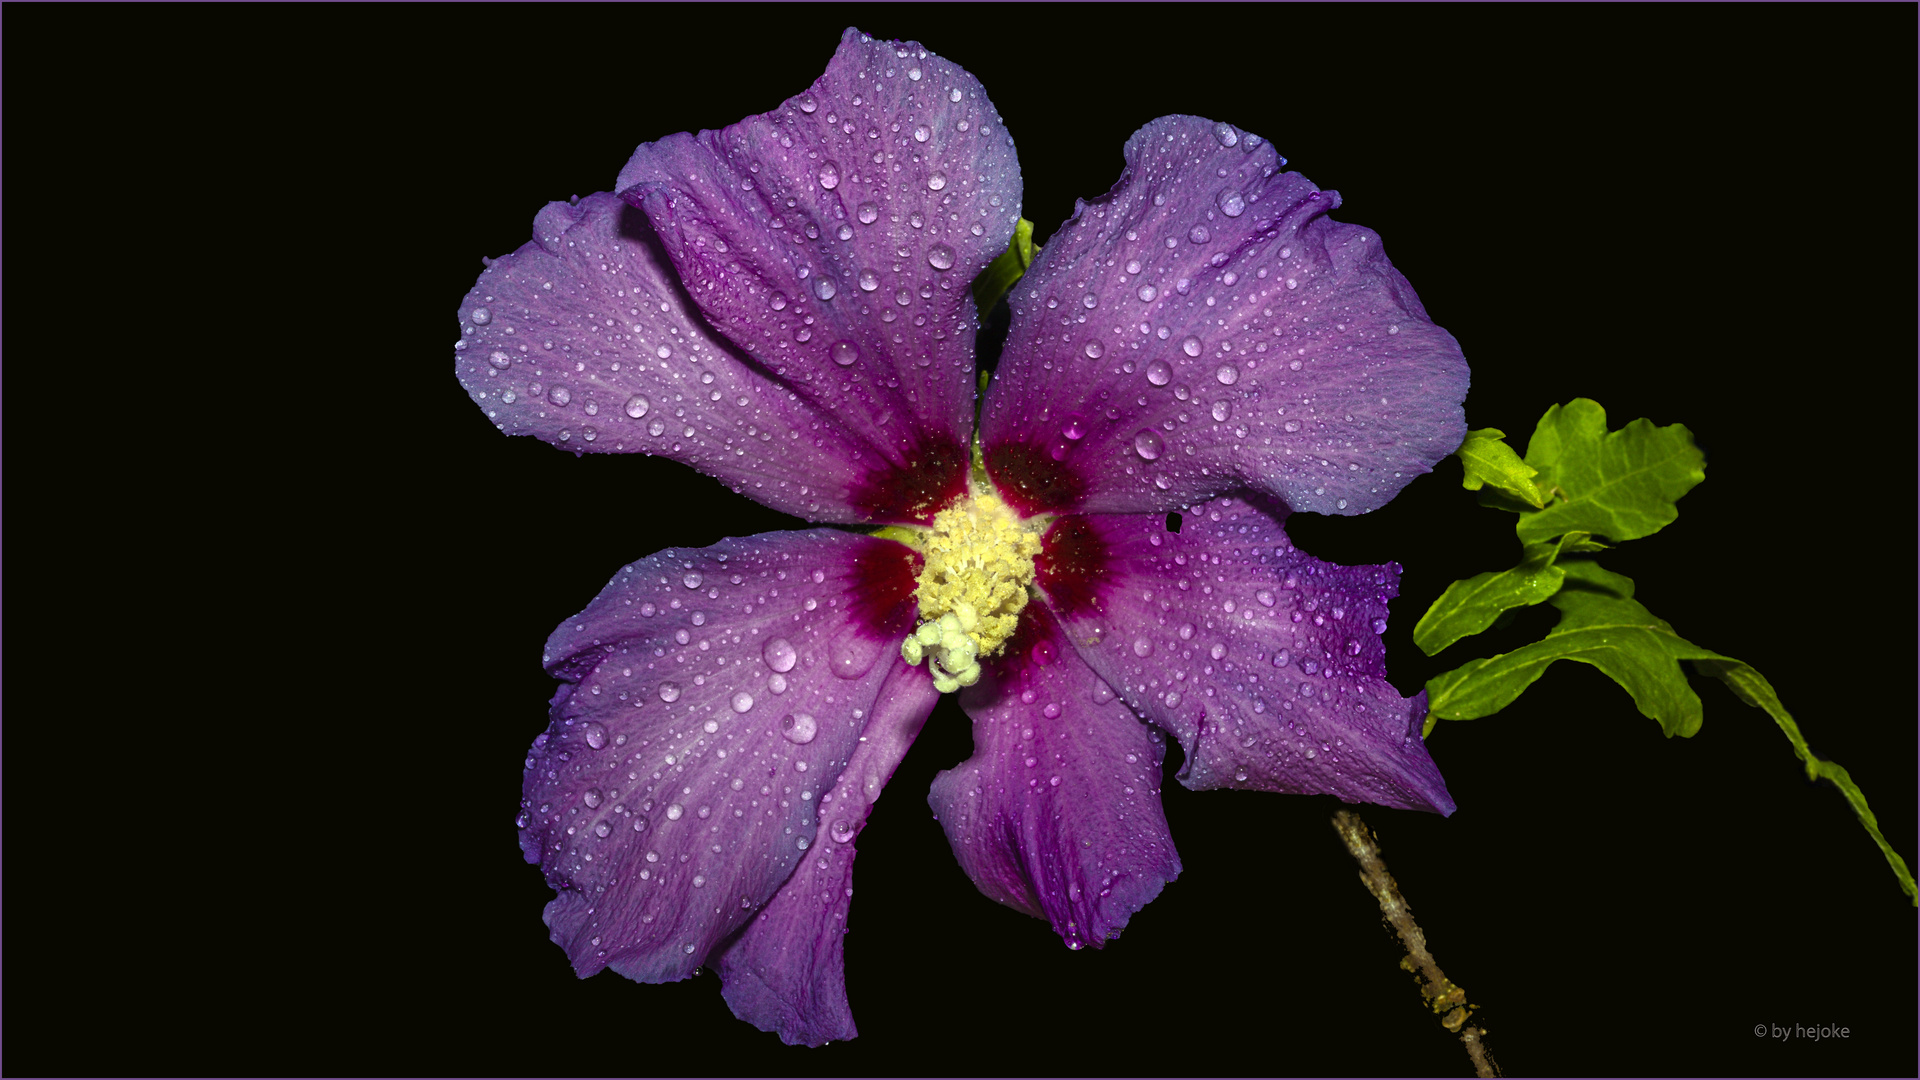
(1621, 485)
(1597, 626)
(1470, 606)
(1489, 462)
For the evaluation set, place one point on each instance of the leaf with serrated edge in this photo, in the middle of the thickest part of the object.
(1621, 485)
(1488, 461)
(1753, 688)
(1470, 606)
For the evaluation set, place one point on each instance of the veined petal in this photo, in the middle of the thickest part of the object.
(1057, 813)
(785, 973)
(585, 339)
(833, 239)
(1265, 662)
(1205, 326)
(712, 696)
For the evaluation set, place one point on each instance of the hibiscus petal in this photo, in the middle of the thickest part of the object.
(1205, 326)
(1266, 663)
(785, 973)
(833, 239)
(711, 696)
(1057, 813)
(585, 339)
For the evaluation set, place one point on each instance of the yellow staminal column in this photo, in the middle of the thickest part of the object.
(979, 565)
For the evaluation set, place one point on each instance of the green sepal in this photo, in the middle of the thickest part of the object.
(1472, 605)
(1000, 274)
(1621, 485)
(1489, 462)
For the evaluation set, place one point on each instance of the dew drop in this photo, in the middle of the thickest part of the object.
(868, 213)
(1199, 235)
(868, 280)
(940, 257)
(1090, 301)
(1142, 647)
(596, 735)
(1227, 374)
(845, 352)
(1226, 134)
(1232, 204)
(1222, 410)
(691, 579)
(1076, 427)
(500, 360)
(1148, 445)
(481, 316)
(559, 395)
(742, 701)
(799, 728)
(1159, 372)
(842, 831)
(1190, 345)
(937, 182)
(823, 288)
(592, 798)
(637, 406)
(669, 691)
(829, 175)
(921, 134)
(674, 812)
(779, 654)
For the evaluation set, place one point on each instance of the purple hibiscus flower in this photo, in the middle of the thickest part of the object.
(785, 306)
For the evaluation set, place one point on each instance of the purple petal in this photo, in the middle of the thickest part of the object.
(785, 972)
(1265, 662)
(1057, 813)
(585, 339)
(833, 239)
(1205, 326)
(711, 696)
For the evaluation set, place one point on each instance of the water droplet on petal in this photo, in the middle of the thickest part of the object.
(823, 288)
(592, 797)
(845, 352)
(921, 134)
(1159, 372)
(1148, 445)
(779, 654)
(1148, 292)
(799, 728)
(669, 691)
(1226, 134)
(1199, 235)
(1190, 345)
(829, 175)
(940, 257)
(1228, 374)
(868, 280)
(742, 701)
(1142, 647)
(481, 316)
(937, 181)
(868, 213)
(1076, 427)
(1232, 204)
(1222, 410)
(674, 812)
(596, 735)
(637, 406)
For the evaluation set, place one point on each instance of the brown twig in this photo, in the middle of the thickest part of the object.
(1447, 1000)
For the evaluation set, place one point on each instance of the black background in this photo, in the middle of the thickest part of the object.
(1701, 216)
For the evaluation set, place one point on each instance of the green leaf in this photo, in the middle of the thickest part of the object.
(1612, 632)
(1000, 274)
(1490, 462)
(1470, 606)
(1621, 485)
(1752, 687)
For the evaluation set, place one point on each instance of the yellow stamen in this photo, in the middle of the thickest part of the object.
(979, 565)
